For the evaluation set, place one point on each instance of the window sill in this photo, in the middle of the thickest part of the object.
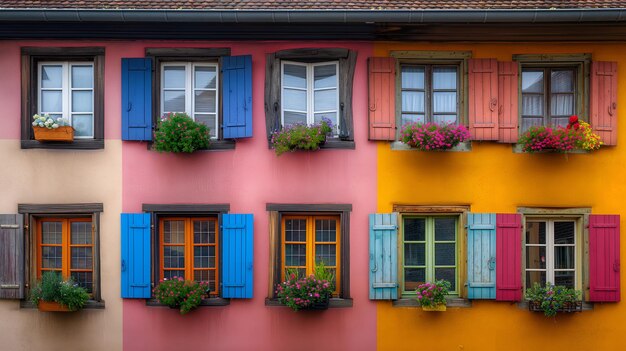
(338, 144)
(333, 303)
(462, 147)
(77, 144)
(213, 301)
(89, 305)
(517, 149)
(587, 306)
(412, 302)
(215, 145)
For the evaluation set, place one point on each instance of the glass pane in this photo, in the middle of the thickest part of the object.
(535, 277)
(174, 257)
(562, 104)
(332, 116)
(294, 99)
(445, 254)
(445, 229)
(201, 257)
(535, 233)
(205, 77)
(326, 253)
(83, 279)
(80, 233)
(295, 255)
(412, 77)
(325, 100)
(325, 76)
(562, 81)
(82, 101)
(83, 125)
(566, 278)
(174, 101)
(301, 272)
(564, 232)
(295, 118)
(444, 119)
(560, 121)
(413, 277)
(414, 254)
(413, 101)
(212, 285)
(174, 232)
(51, 101)
(209, 120)
(532, 105)
(174, 77)
(564, 257)
(448, 274)
(51, 76)
(82, 77)
(295, 230)
(205, 101)
(410, 118)
(529, 122)
(82, 258)
(532, 81)
(536, 257)
(294, 76)
(201, 275)
(171, 274)
(51, 257)
(212, 256)
(444, 102)
(414, 229)
(444, 78)
(325, 230)
(203, 232)
(51, 232)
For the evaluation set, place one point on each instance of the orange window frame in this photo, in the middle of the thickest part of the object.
(66, 246)
(189, 246)
(310, 246)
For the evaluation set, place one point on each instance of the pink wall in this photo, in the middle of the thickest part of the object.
(247, 178)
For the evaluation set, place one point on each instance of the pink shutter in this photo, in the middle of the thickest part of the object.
(483, 99)
(382, 98)
(603, 101)
(507, 101)
(508, 257)
(604, 262)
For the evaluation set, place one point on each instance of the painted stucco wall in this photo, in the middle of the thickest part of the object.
(491, 178)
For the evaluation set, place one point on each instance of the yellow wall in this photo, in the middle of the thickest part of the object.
(491, 178)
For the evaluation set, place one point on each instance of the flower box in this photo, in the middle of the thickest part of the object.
(577, 306)
(432, 136)
(318, 306)
(436, 308)
(301, 137)
(51, 306)
(64, 134)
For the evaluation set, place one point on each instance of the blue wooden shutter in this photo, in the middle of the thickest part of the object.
(237, 255)
(237, 96)
(481, 255)
(136, 99)
(384, 256)
(136, 255)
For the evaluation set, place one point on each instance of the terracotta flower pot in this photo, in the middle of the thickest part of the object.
(65, 134)
(51, 306)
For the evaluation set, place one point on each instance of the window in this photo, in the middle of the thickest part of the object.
(548, 96)
(429, 93)
(68, 83)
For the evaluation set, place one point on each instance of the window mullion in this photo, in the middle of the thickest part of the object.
(189, 67)
(428, 81)
(66, 92)
(430, 249)
(550, 252)
(310, 244)
(65, 239)
(310, 94)
(188, 249)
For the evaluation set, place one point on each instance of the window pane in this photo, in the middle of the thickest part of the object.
(295, 118)
(414, 254)
(295, 230)
(326, 253)
(444, 102)
(535, 233)
(201, 257)
(444, 78)
(51, 101)
(208, 120)
(83, 125)
(530, 122)
(325, 76)
(562, 81)
(448, 274)
(410, 118)
(294, 76)
(174, 257)
(532, 105)
(174, 232)
(325, 100)
(171, 274)
(535, 277)
(295, 255)
(413, 101)
(205, 101)
(532, 81)
(445, 229)
(205, 77)
(51, 257)
(174, 77)
(82, 258)
(82, 101)
(560, 121)
(80, 233)
(444, 119)
(84, 279)
(412, 77)
(413, 277)
(445, 254)
(564, 257)
(294, 99)
(174, 101)
(203, 232)
(201, 275)
(325, 230)
(536, 257)
(332, 116)
(51, 76)
(51, 232)
(564, 278)
(564, 232)
(82, 77)
(562, 104)
(414, 229)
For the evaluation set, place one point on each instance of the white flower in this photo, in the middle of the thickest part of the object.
(35, 124)
(41, 124)
(55, 126)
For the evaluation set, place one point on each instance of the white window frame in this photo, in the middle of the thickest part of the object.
(190, 90)
(66, 91)
(310, 91)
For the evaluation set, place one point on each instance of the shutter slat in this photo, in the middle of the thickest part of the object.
(11, 256)
(135, 231)
(237, 96)
(383, 256)
(603, 101)
(508, 257)
(237, 255)
(136, 99)
(604, 258)
(481, 254)
(382, 96)
(483, 99)
(508, 73)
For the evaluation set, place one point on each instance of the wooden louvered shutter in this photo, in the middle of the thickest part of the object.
(509, 257)
(481, 255)
(483, 99)
(603, 101)
(383, 256)
(382, 96)
(237, 255)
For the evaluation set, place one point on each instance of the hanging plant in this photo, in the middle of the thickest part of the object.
(177, 132)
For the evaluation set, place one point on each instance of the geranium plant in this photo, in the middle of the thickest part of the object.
(301, 137)
(433, 294)
(45, 121)
(577, 135)
(177, 132)
(180, 293)
(432, 136)
(53, 288)
(551, 299)
(304, 293)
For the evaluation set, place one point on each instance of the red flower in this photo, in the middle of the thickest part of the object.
(573, 119)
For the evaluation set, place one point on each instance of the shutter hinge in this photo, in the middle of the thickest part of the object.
(9, 226)
(9, 286)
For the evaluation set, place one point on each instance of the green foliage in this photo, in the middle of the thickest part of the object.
(301, 137)
(433, 294)
(177, 132)
(301, 293)
(179, 293)
(53, 288)
(550, 298)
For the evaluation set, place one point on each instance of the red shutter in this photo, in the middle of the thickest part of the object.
(382, 98)
(508, 73)
(509, 257)
(604, 262)
(603, 102)
(483, 99)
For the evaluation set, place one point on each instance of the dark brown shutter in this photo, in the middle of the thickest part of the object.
(11, 256)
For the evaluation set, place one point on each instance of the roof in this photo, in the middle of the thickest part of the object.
(312, 4)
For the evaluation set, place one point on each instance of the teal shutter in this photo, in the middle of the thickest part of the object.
(237, 255)
(135, 230)
(237, 96)
(481, 255)
(136, 99)
(384, 256)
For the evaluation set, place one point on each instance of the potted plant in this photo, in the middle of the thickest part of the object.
(181, 294)
(432, 136)
(53, 294)
(551, 299)
(307, 293)
(48, 128)
(578, 135)
(177, 132)
(301, 137)
(432, 296)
